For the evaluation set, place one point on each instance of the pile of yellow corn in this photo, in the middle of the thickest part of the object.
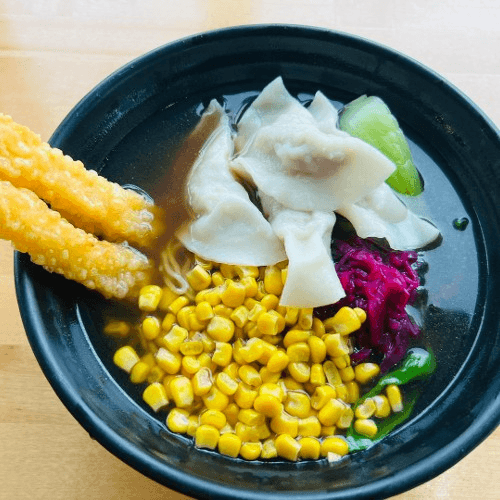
(246, 376)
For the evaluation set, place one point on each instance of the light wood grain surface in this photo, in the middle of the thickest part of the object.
(52, 52)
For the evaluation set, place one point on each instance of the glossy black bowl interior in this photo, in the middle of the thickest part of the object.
(129, 129)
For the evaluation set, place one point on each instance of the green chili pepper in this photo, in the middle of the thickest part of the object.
(417, 364)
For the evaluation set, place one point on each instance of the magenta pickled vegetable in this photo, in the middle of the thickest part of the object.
(382, 282)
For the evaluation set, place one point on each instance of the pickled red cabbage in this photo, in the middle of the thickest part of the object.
(382, 282)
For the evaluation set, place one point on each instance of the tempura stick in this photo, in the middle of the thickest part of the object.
(51, 241)
(86, 199)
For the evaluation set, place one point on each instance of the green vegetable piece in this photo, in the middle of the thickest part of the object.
(418, 363)
(358, 442)
(369, 119)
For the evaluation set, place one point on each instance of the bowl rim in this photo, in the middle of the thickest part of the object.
(179, 480)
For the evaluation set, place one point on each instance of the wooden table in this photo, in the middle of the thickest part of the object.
(51, 53)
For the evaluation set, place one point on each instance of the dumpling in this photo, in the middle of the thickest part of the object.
(311, 279)
(229, 228)
(381, 214)
(304, 165)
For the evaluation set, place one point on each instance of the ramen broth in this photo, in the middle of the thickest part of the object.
(449, 272)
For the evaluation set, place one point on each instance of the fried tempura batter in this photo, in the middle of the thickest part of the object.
(52, 242)
(86, 199)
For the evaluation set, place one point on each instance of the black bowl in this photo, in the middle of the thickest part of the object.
(129, 128)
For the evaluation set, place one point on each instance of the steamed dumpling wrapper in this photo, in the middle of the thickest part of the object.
(381, 214)
(311, 278)
(229, 227)
(301, 162)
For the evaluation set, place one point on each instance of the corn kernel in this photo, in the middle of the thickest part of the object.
(255, 312)
(228, 270)
(394, 397)
(328, 430)
(347, 374)
(251, 287)
(290, 384)
(287, 447)
(268, 449)
(213, 417)
(125, 358)
(155, 396)
(222, 354)
(335, 445)
(233, 294)
(202, 381)
(270, 323)
(207, 436)
(215, 399)
(168, 361)
(198, 278)
(366, 409)
(331, 412)
(360, 313)
(291, 315)
(167, 297)
(229, 444)
(294, 336)
(298, 352)
(252, 350)
(231, 411)
(285, 424)
(277, 362)
(272, 280)
(317, 349)
(182, 391)
(310, 426)
(382, 406)
(190, 365)
(210, 295)
(344, 322)
(245, 395)
(195, 324)
(247, 433)
(267, 351)
(352, 392)
(227, 384)
(250, 375)
(345, 420)
(365, 372)
(139, 372)
(305, 321)
(332, 374)
(342, 361)
(117, 328)
(149, 297)
(341, 391)
(218, 278)
(270, 301)
(183, 316)
(301, 372)
(318, 327)
(251, 417)
(317, 375)
(366, 427)
(240, 316)
(156, 374)
(191, 347)
(168, 321)
(151, 327)
(205, 360)
(310, 448)
(178, 420)
(268, 376)
(268, 405)
(178, 304)
(298, 404)
(220, 329)
(336, 344)
(193, 424)
(273, 389)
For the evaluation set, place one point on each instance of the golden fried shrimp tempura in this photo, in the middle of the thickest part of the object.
(52, 242)
(86, 199)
